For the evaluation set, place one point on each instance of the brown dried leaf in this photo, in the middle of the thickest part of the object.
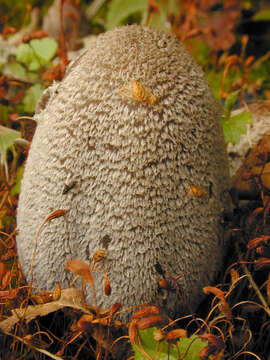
(214, 340)
(8, 294)
(2, 271)
(80, 268)
(56, 214)
(268, 287)
(99, 255)
(150, 321)
(175, 334)
(85, 322)
(107, 286)
(70, 297)
(234, 275)
(6, 279)
(133, 331)
(149, 310)
(262, 263)
(56, 295)
(215, 291)
(224, 307)
(258, 240)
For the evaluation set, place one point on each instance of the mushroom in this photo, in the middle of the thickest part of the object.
(130, 145)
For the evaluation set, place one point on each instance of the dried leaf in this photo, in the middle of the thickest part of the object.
(8, 294)
(80, 268)
(85, 322)
(258, 240)
(268, 287)
(107, 286)
(150, 321)
(6, 279)
(71, 297)
(224, 307)
(149, 310)
(214, 340)
(2, 271)
(195, 191)
(56, 293)
(56, 214)
(234, 275)
(159, 334)
(262, 263)
(99, 255)
(133, 331)
(175, 334)
(215, 291)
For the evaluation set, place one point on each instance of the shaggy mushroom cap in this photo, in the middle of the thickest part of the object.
(130, 144)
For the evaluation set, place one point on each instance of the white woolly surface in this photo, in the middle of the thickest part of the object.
(132, 165)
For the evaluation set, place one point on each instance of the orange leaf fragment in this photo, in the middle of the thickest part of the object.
(85, 322)
(150, 321)
(234, 275)
(175, 334)
(258, 240)
(107, 286)
(56, 214)
(149, 310)
(6, 279)
(80, 268)
(133, 331)
(262, 262)
(268, 287)
(215, 291)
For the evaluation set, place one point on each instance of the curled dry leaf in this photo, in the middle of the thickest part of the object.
(215, 291)
(6, 279)
(268, 287)
(85, 322)
(174, 335)
(2, 271)
(234, 275)
(258, 240)
(224, 307)
(136, 91)
(115, 307)
(56, 293)
(149, 310)
(99, 255)
(56, 214)
(262, 263)
(107, 286)
(71, 297)
(133, 331)
(159, 334)
(214, 340)
(80, 268)
(195, 191)
(150, 321)
(8, 294)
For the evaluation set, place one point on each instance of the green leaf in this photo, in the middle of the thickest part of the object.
(235, 126)
(16, 188)
(119, 10)
(7, 138)
(26, 55)
(17, 70)
(262, 15)
(31, 97)
(44, 48)
(161, 350)
(229, 103)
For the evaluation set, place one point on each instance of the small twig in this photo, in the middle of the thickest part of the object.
(256, 288)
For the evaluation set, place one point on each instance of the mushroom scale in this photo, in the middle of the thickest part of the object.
(129, 143)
